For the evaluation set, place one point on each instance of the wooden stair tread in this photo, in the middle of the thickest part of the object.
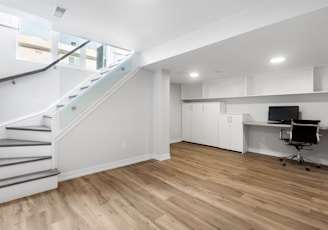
(95, 79)
(114, 64)
(28, 177)
(14, 142)
(104, 71)
(20, 160)
(41, 128)
(84, 87)
(72, 96)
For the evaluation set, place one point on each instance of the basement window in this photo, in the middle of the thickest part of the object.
(34, 41)
(67, 43)
(99, 56)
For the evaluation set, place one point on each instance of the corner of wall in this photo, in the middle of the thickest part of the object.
(172, 141)
(161, 157)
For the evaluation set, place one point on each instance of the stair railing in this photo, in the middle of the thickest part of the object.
(109, 79)
(21, 75)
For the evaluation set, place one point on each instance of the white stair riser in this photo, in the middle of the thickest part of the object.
(47, 121)
(28, 188)
(29, 135)
(25, 151)
(24, 168)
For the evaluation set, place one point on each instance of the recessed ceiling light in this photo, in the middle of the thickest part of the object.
(60, 12)
(277, 60)
(194, 75)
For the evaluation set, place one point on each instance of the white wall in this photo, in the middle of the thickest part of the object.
(161, 115)
(118, 132)
(175, 113)
(312, 106)
(29, 95)
(192, 91)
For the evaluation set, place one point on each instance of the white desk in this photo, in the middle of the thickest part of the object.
(263, 137)
(257, 123)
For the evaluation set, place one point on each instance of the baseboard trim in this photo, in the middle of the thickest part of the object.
(172, 141)
(269, 153)
(162, 157)
(279, 154)
(103, 167)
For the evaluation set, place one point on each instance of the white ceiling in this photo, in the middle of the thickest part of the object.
(143, 25)
(132, 24)
(303, 40)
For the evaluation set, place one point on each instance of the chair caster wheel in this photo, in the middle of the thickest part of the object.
(307, 169)
(284, 164)
(318, 166)
(280, 159)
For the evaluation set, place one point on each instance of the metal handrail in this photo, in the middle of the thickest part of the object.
(14, 77)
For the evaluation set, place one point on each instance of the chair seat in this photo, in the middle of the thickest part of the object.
(295, 143)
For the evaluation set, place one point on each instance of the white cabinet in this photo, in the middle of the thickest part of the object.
(231, 132)
(210, 123)
(197, 118)
(186, 122)
(200, 122)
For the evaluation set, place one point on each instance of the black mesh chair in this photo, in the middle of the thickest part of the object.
(302, 133)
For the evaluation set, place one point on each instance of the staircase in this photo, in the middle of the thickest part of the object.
(27, 163)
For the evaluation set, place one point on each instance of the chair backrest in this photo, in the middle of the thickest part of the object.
(305, 131)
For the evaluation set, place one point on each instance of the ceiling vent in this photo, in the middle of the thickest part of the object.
(60, 12)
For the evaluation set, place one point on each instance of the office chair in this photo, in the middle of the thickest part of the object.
(302, 133)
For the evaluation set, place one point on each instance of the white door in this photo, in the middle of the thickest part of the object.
(197, 123)
(224, 131)
(186, 122)
(236, 133)
(211, 119)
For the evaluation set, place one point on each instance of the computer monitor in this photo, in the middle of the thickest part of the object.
(283, 114)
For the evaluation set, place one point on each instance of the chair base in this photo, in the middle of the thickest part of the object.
(299, 159)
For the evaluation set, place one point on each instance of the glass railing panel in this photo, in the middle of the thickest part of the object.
(86, 97)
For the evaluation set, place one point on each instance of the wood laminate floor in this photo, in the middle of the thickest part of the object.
(199, 188)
